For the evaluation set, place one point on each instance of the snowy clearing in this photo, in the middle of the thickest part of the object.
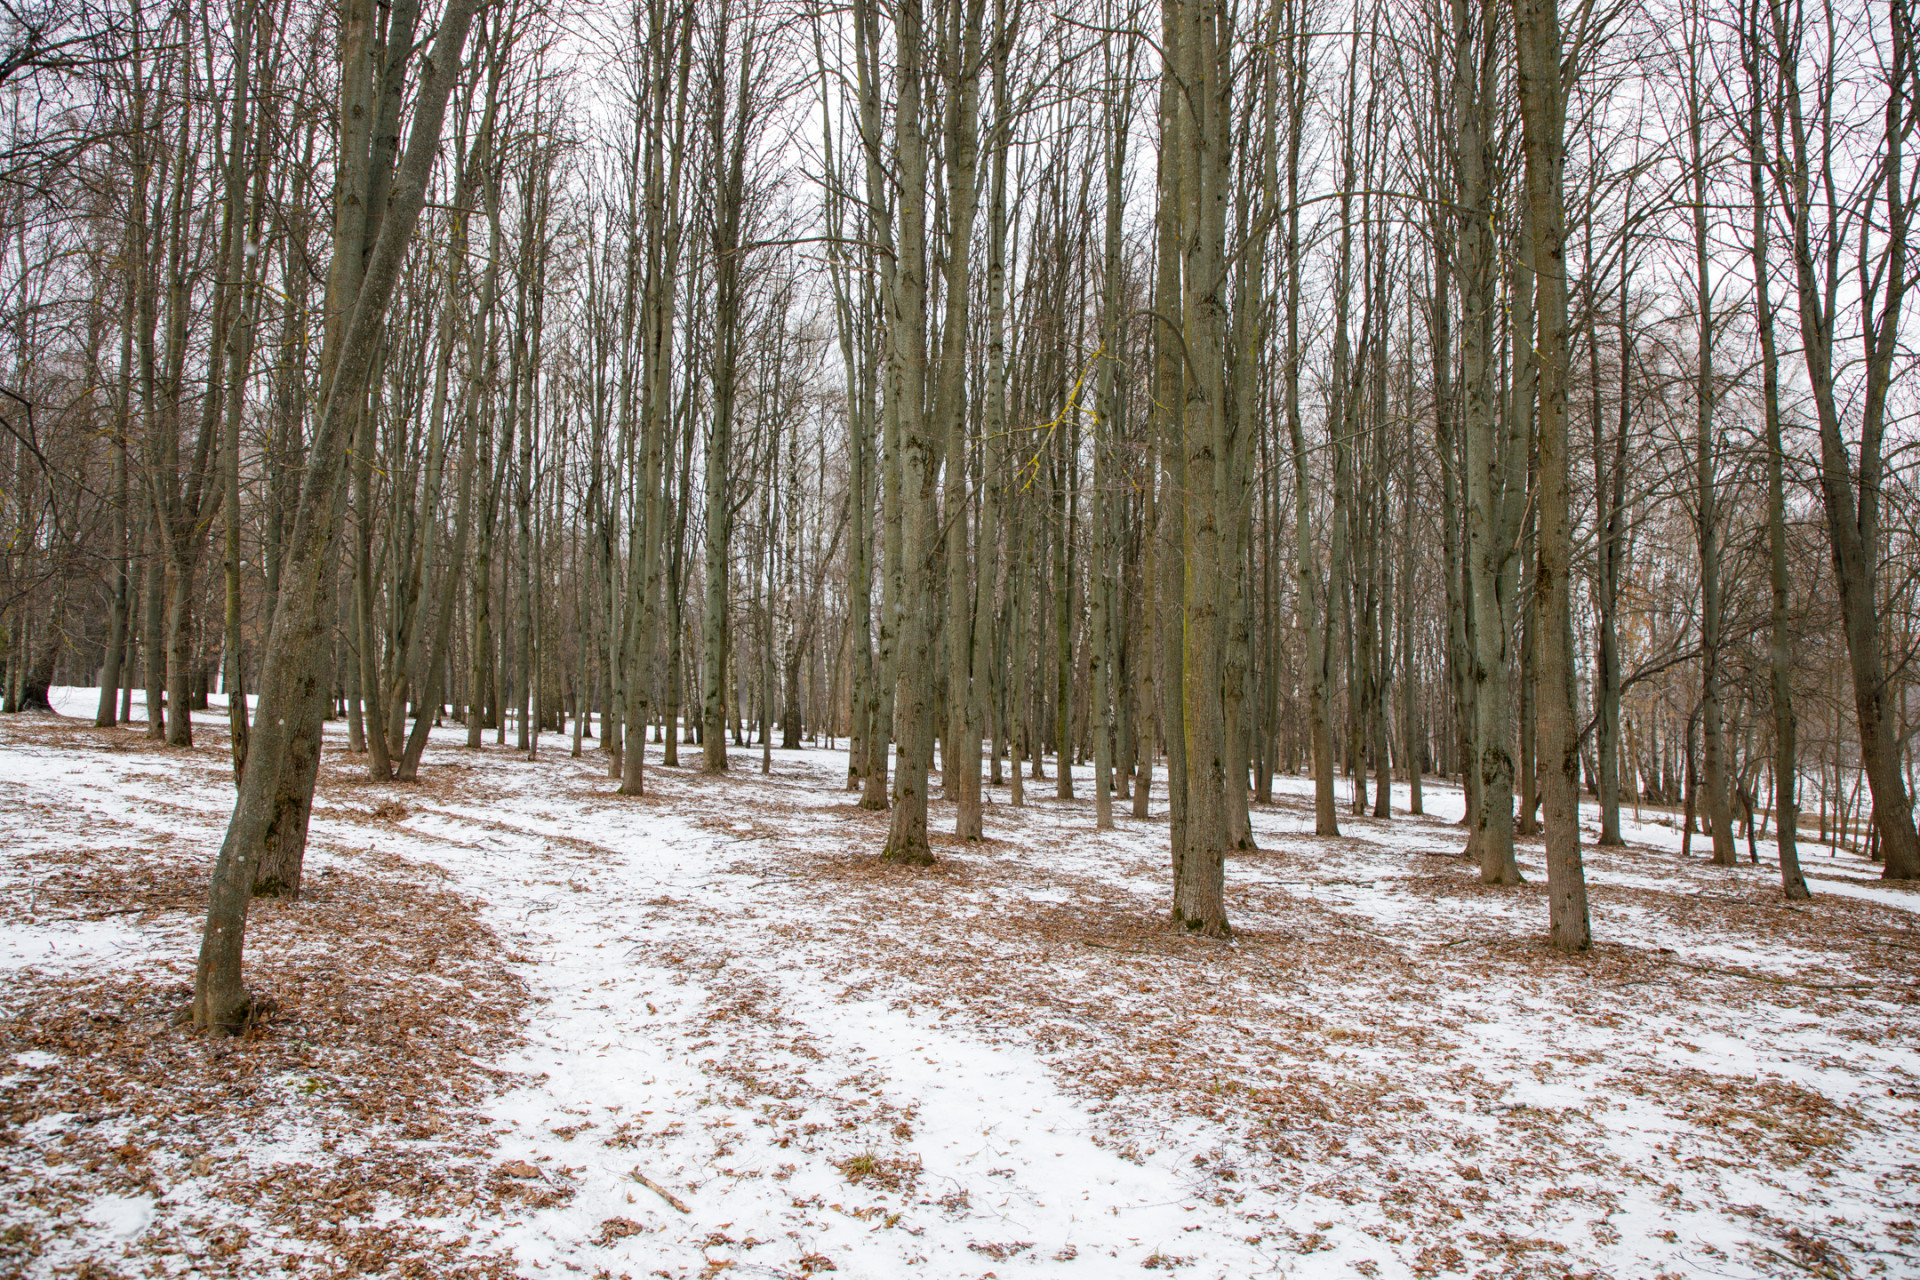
(523, 1026)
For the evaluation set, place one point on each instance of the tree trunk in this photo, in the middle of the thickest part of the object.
(913, 697)
(120, 604)
(1314, 620)
(1168, 400)
(1706, 478)
(1543, 109)
(1101, 593)
(960, 749)
(1496, 460)
(1204, 59)
(1786, 757)
(987, 647)
(294, 677)
(1850, 493)
(1609, 487)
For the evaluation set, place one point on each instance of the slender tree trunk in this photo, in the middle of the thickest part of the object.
(379, 764)
(1609, 485)
(1786, 756)
(913, 698)
(246, 166)
(1706, 512)
(1066, 443)
(719, 455)
(1543, 109)
(876, 791)
(1496, 458)
(1204, 59)
(1169, 398)
(960, 748)
(1101, 622)
(1850, 492)
(1313, 606)
(121, 604)
(1412, 736)
(987, 650)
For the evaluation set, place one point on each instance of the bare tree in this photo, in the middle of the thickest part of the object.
(295, 650)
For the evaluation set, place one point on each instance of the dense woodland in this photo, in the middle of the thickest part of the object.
(1098, 399)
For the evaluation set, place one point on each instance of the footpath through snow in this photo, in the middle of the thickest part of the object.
(519, 1025)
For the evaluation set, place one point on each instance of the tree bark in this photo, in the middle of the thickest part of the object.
(1496, 458)
(1101, 593)
(1706, 477)
(1850, 491)
(1310, 596)
(960, 748)
(293, 682)
(1204, 59)
(1786, 757)
(1543, 111)
(913, 697)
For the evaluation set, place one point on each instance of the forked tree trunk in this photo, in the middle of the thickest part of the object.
(293, 685)
(1496, 457)
(1850, 490)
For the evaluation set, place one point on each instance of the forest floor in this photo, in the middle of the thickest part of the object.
(519, 1025)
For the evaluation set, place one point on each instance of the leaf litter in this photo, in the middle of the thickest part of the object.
(505, 985)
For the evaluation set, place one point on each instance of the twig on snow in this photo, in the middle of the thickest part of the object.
(659, 1190)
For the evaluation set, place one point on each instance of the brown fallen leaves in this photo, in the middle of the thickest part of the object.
(616, 1229)
(314, 1145)
(1340, 1054)
(1335, 1052)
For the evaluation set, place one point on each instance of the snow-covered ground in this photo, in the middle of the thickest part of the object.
(521, 1025)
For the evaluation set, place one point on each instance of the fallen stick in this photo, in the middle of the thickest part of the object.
(659, 1190)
